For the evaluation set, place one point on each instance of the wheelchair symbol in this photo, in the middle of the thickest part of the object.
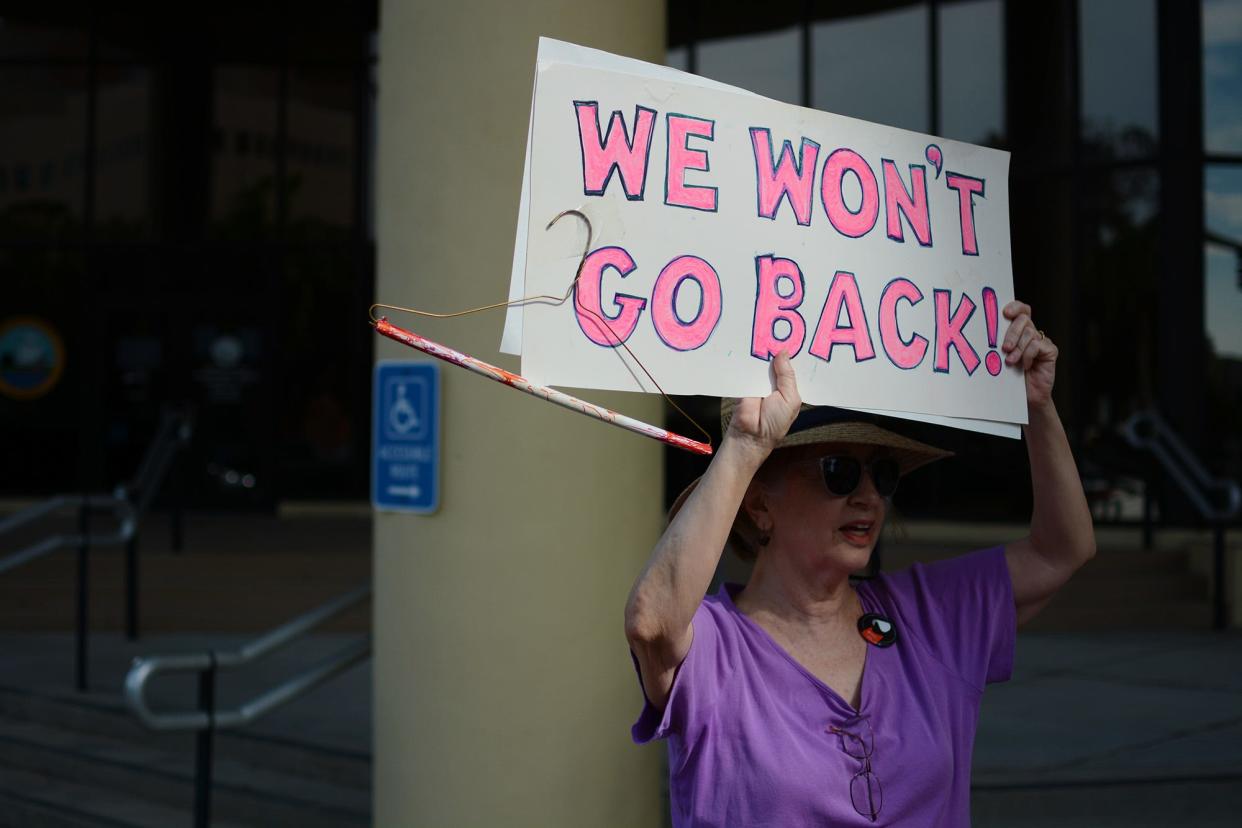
(402, 417)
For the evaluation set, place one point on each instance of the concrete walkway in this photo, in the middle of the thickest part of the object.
(1125, 729)
(1095, 729)
(1118, 729)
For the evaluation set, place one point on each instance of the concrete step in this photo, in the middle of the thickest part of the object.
(1122, 587)
(29, 799)
(241, 533)
(240, 791)
(1210, 802)
(104, 715)
(237, 573)
(1108, 563)
(1129, 587)
(251, 609)
(1065, 616)
(223, 592)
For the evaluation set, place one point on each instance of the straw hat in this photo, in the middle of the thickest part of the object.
(825, 424)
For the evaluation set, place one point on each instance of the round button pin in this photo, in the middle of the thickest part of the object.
(878, 630)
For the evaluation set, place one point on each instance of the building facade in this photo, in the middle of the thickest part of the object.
(1124, 120)
(184, 209)
(185, 217)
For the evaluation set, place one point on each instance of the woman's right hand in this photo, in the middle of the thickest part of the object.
(760, 423)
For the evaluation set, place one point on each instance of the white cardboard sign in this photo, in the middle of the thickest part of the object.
(727, 227)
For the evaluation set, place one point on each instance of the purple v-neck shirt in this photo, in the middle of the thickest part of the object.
(748, 727)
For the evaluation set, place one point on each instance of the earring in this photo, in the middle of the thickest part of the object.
(764, 538)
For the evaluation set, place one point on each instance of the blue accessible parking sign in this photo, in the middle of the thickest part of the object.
(405, 461)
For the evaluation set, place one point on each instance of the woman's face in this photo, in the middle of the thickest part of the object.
(816, 528)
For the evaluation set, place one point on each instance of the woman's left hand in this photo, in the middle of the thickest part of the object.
(1026, 345)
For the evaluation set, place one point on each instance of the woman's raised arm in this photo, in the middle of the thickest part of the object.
(663, 600)
(1062, 535)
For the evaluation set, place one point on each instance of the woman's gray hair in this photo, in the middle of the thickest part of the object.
(745, 539)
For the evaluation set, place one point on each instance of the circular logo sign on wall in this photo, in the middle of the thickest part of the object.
(31, 358)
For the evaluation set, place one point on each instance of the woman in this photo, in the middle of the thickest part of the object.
(803, 699)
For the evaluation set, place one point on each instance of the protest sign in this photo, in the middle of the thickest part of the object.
(728, 227)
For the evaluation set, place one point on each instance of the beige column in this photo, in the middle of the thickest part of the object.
(503, 685)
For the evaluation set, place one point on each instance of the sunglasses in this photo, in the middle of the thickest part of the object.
(842, 474)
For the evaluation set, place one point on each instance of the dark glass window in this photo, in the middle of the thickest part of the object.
(42, 437)
(678, 57)
(124, 182)
(1222, 222)
(235, 123)
(972, 71)
(42, 151)
(767, 63)
(322, 444)
(320, 164)
(130, 32)
(1119, 291)
(847, 79)
(1085, 80)
(1117, 78)
(1222, 76)
(243, 181)
(1222, 307)
(66, 39)
(1223, 293)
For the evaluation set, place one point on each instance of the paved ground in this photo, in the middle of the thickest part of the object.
(1118, 729)
(1121, 729)
(1104, 729)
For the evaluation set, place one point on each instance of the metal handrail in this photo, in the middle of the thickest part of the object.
(1147, 430)
(174, 432)
(118, 504)
(146, 668)
(206, 719)
(127, 503)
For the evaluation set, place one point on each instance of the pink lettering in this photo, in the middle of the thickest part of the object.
(911, 203)
(904, 353)
(967, 188)
(771, 307)
(615, 151)
(609, 331)
(949, 333)
(852, 223)
(830, 332)
(685, 336)
(681, 158)
(793, 178)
